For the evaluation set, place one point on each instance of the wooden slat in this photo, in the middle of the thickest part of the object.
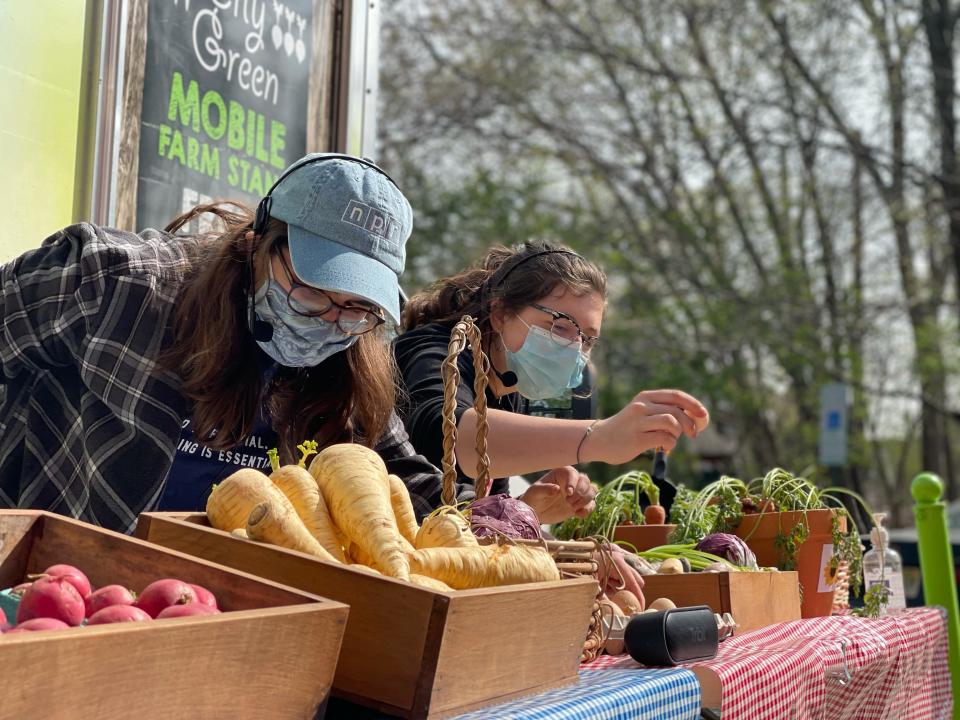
(211, 667)
(17, 533)
(109, 557)
(755, 599)
(511, 642)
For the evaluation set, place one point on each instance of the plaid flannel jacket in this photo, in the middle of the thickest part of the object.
(89, 421)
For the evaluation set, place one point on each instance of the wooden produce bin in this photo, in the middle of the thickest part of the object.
(270, 654)
(408, 650)
(755, 599)
(643, 537)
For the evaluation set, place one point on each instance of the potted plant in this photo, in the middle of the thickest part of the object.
(788, 522)
(620, 515)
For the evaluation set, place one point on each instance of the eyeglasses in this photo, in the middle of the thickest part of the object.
(565, 330)
(313, 302)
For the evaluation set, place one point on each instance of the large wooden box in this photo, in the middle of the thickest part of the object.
(411, 651)
(270, 654)
(755, 599)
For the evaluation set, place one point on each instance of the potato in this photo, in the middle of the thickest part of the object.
(627, 602)
(610, 607)
(671, 566)
(662, 604)
(614, 646)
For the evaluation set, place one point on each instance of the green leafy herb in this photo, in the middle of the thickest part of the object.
(617, 503)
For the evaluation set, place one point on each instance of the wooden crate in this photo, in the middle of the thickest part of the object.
(643, 537)
(755, 599)
(271, 654)
(411, 651)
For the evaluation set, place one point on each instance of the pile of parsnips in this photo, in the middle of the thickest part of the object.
(347, 509)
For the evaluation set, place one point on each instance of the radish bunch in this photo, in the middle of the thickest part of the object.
(62, 597)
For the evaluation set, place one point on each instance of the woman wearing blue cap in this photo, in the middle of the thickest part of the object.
(138, 370)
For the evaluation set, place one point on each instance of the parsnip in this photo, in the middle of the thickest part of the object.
(429, 582)
(231, 501)
(277, 523)
(403, 509)
(296, 482)
(353, 481)
(485, 565)
(445, 527)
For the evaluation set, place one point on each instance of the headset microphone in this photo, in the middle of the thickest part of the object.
(508, 378)
(262, 330)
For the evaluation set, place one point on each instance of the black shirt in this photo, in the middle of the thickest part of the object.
(420, 354)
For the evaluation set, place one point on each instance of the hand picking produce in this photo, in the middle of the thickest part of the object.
(347, 509)
(62, 597)
(619, 502)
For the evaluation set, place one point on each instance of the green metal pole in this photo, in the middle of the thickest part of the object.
(936, 565)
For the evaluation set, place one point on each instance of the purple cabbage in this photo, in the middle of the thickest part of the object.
(497, 515)
(730, 548)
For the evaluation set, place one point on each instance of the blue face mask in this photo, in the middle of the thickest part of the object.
(545, 368)
(297, 341)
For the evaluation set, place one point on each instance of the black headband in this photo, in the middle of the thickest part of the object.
(531, 256)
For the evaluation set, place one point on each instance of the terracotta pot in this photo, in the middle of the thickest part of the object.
(643, 537)
(813, 556)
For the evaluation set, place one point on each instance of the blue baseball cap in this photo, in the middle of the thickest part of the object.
(347, 226)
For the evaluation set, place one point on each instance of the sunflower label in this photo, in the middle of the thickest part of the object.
(828, 569)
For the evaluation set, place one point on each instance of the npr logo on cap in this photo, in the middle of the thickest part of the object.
(372, 220)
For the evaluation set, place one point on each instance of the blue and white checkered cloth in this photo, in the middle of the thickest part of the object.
(607, 695)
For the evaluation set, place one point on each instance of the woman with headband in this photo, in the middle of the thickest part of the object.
(540, 309)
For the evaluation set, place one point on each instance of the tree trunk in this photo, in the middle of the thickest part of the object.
(939, 23)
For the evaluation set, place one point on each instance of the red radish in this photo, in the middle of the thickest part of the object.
(175, 611)
(162, 594)
(118, 613)
(51, 597)
(41, 623)
(108, 596)
(76, 578)
(204, 596)
(5, 627)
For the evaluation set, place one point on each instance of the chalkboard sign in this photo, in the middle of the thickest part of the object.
(227, 87)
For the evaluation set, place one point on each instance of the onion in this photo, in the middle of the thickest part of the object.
(43, 623)
(118, 613)
(107, 596)
(162, 594)
(175, 611)
(51, 597)
(503, 515)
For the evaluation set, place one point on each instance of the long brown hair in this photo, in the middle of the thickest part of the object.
(215, 354)
(510, 278)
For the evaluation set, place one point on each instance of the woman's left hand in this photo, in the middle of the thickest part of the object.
(561, 493)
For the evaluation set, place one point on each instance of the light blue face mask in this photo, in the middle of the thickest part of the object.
(545, 368)
(297, 341)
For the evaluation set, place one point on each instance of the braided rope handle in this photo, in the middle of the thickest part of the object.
(463, 332)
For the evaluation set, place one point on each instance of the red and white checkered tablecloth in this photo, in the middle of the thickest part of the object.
(898, 665)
